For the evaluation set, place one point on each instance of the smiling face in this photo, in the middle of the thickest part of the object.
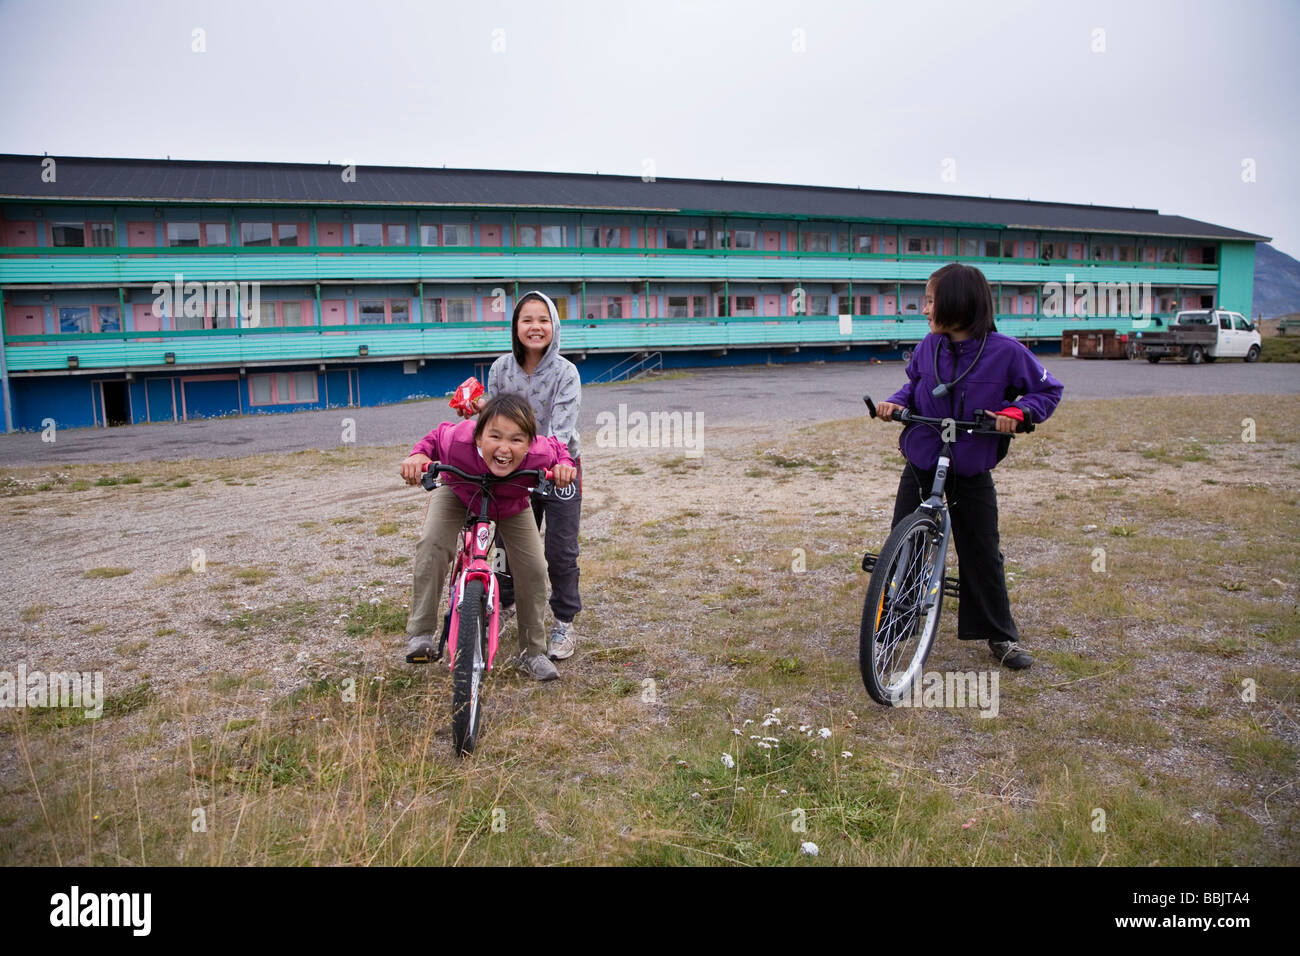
(927, 307)
(534, 326)
(503, 444)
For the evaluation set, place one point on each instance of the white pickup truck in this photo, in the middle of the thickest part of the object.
(1202, 335)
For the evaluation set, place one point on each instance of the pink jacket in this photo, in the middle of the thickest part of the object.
(452, 443)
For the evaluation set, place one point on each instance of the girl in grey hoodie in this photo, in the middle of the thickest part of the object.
(536, 370)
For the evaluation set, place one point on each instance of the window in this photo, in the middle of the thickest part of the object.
(699, 306)
(395, 235)
(221, 314)
(552, 236)
(911, 304)
(182, 233)
(1240, 324)
(1225, 323)
(744, 305)
(864, 243)
(743, 239)
(455, 235)
(265, 315)
(699, 238)
(819, 305)
(68, 233)
(215, 234)
(432, 311)
(460, 310)
(1056, 250)
(921, 245)
(614, 308)
(1167, 254)
(527, 236)
(816, 242)
(291, 313)
(590, 237)
(1006, 305)
(286, 234)
(182, 323)
(101, 234)
(1009, 249)
(428, 235)
(678, 307)
(282, 388)
(864, 305)
(675, 238)
(255, 233)
(1103, 253)
(991, 248)
(370, 311)
(399, 310)
(1127, 254)
(110, 318)
(75, 320)
(367, 234)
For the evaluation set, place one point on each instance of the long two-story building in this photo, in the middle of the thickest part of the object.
(146, 290)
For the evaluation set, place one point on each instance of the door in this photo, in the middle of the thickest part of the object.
(1074, 346)
(771, 305)
(141, 234)
(333, 312)
(160, 399)
(489, 234)
(18, 234)
(146, 321)
(115, 403)
(25, 320)
(329, 234)
(771, 240)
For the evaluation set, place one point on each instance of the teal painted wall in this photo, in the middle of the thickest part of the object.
(1237, 276)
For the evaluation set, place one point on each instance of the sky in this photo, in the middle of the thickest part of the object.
(1185, 107)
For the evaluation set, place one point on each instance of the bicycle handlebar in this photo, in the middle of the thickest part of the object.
(434, 468)
(983, 421)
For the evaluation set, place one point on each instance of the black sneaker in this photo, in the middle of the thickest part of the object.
(419, 649)
(1011, 654)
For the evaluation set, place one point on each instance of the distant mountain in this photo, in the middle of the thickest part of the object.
(1277, 282)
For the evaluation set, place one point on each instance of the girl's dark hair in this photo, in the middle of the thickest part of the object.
(962, 300)
(514, 408)
(516, 344)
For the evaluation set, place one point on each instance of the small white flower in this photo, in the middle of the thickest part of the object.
(824, 733)
(375, 600)
(846, 754)
(746, 723)
(755, 737)
(784, 792)
(695, 795)
(740, 790)
(803, 728)
(771, 720)
(735, 731)
(728, 761)
(681, 763)
(764, 745)
(809, 849)
(774, 740)
(776, 710)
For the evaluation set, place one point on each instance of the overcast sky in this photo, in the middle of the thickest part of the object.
(1149, 103)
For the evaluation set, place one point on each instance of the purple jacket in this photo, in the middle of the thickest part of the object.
(1006, 374)
(452, 443)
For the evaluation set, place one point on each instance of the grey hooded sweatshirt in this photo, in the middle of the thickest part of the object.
(554, 390)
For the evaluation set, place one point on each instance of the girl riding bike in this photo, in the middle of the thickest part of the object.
(503, 441)
(963, 365)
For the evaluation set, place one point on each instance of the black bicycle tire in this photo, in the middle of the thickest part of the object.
(868, 647)
(465, 720)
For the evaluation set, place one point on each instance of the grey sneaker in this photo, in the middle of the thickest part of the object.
(536, 666)
(562, 640)
(1011, 654)
(419, 649)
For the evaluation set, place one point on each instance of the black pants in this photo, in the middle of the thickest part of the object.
(563, 512)
(984, 610)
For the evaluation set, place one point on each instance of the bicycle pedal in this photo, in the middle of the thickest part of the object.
(950, 587)
(869, 561)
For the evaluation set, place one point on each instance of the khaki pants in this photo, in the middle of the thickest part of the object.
(437, 547)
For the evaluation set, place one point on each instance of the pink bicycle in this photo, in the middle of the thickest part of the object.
(471, 625)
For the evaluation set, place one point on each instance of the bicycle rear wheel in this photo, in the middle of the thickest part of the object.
(468, 669)
(898, 628)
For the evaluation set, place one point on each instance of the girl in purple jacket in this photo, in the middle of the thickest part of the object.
(965, 364)
(503, 441)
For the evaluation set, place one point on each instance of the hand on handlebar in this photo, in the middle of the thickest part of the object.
(885, 411)
(563, 475)
(413, 468)
(1005, 423)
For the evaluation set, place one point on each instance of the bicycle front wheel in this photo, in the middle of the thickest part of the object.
(468, 669)
(899, 618)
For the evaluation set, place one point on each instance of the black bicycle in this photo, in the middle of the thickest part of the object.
(905, 595)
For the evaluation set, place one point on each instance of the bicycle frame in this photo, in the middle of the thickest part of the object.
(473, 562)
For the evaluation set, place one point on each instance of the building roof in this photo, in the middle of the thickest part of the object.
(187, 181)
